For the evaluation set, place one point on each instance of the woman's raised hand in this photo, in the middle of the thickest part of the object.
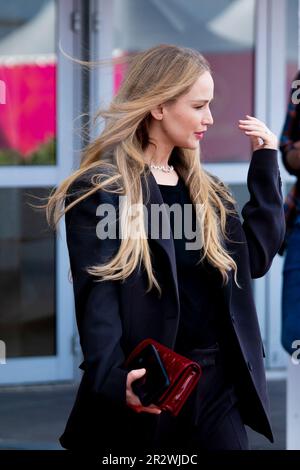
(133, 400)
(258, 131)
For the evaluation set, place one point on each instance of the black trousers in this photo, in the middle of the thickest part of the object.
(210, 418)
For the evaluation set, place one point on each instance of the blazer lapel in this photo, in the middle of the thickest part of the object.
(167, 244)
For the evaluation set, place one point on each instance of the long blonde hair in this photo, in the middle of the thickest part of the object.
(158, 75)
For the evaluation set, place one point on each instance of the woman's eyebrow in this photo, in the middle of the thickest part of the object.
(201, 101)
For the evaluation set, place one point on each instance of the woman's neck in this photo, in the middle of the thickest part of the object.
(158, 156)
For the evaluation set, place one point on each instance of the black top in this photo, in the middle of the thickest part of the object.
(199, 285)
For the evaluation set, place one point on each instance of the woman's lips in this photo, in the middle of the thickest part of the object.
(199, 135)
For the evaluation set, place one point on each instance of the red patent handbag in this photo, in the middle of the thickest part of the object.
(183, 374)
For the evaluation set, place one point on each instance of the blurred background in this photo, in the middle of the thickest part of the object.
(253, 49)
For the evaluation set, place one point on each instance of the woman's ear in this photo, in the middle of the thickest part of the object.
(157, 112)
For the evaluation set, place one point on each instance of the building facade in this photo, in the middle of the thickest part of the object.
(252, 47)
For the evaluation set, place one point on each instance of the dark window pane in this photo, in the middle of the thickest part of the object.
(27, 275)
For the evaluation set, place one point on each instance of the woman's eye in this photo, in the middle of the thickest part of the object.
(199, 107)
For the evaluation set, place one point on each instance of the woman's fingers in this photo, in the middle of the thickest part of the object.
(253, 125)
(254, 130)
(255, 133)
(260, 135)
(154, 408)
(147, 409)
(252, 117)
(132, 399)
(252, 121)
(151, 409)
(135, 374)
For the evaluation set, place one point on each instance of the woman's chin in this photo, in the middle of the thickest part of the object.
(192, 145)
(188, 144)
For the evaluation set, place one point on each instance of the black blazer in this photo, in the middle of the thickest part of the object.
(113, 317)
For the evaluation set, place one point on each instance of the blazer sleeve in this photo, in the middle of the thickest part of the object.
(263, 215)
(97, 303)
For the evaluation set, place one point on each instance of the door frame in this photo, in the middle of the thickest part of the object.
(269, 82)
(270, 66)
(60, 366)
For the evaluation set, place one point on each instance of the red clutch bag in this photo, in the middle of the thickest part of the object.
(183, 374)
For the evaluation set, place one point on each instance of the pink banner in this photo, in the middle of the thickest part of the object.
(27, 119)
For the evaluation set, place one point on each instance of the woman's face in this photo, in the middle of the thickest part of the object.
(189, 115)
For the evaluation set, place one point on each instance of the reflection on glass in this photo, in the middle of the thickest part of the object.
(27, 275)
(27, 82)
(223, 30)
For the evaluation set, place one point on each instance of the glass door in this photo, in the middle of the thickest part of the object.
(36, 317)
(227, 33)
(244, 41)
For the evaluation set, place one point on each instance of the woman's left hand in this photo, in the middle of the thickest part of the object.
(258, 131)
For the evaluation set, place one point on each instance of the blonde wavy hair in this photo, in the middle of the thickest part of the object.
(158, 75)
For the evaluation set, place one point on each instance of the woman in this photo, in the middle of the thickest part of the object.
(290, 152)
(131, 283)
(290, 300)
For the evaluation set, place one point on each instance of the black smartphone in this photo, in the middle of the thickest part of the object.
(155, 381)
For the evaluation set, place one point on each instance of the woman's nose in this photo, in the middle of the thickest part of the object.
(208, 119)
